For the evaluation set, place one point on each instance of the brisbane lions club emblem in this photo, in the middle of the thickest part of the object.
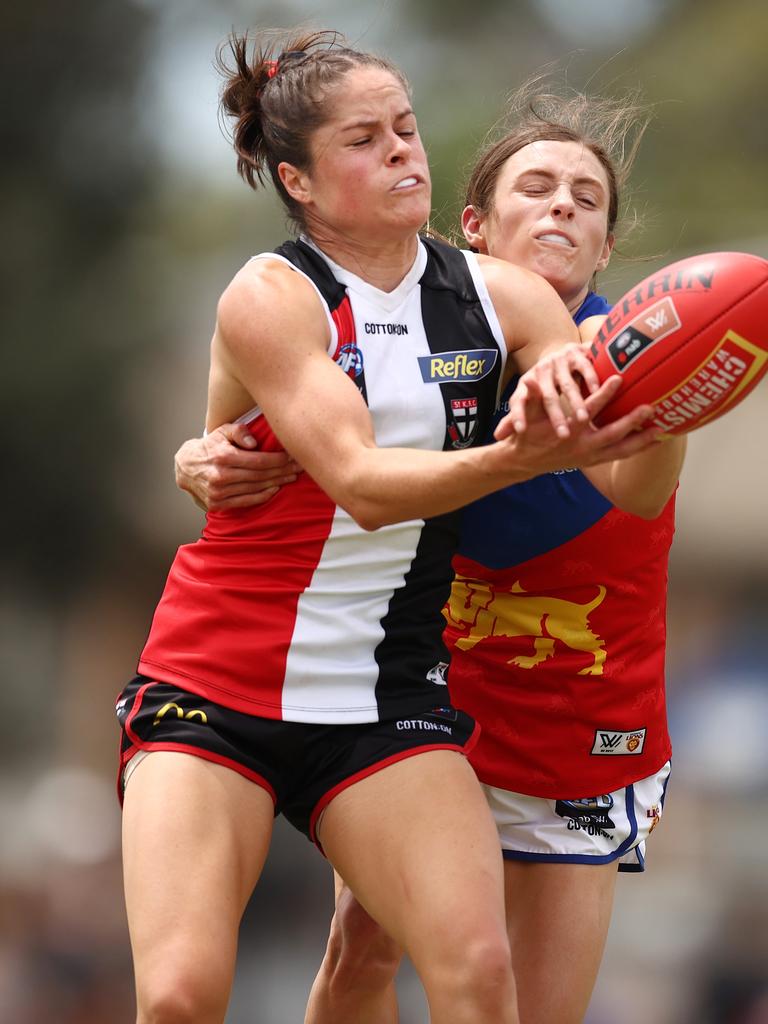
(463, 425)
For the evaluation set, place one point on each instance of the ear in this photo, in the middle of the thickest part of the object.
(473, 226)
(295, 182)
(605, 255)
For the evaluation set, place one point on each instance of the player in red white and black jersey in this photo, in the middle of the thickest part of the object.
(295, 661)
(556, 621)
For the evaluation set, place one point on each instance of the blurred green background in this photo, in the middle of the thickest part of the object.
(124, 220)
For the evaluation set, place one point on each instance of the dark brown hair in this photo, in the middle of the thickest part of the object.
(611, 129)
(276, 93)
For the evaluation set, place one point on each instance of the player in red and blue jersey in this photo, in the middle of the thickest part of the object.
(556, 620)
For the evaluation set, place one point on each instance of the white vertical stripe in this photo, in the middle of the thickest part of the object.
(331, 673)
(490, 313)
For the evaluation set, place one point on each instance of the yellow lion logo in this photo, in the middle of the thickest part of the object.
(515, 612)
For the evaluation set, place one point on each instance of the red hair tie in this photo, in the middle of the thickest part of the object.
(271, 68)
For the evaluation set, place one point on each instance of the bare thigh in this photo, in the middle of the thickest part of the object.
(195, 837)
(558, 917)
(417, 846)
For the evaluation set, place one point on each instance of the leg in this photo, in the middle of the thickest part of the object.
(417, 846)
(558, 917)
(195, 836)
(356, 980)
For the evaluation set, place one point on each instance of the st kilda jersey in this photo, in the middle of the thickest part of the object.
(557, 627)
(290, 610)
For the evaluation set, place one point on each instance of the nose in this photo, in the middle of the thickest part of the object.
(398, 149)
(562, 204)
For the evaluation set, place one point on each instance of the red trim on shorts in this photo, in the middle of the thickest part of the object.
(209, 755)
(138, 744)
(372, 769)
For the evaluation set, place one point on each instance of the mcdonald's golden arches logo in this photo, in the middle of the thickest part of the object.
(170, 706)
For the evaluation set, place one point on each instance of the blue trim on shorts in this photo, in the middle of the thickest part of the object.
(629, 805)
(666, 783)
(564, 858)
(585, 858)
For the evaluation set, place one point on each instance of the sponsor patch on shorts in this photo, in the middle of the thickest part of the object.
(609, 741)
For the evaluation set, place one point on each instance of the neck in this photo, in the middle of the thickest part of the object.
(573, 302)
(383, 265)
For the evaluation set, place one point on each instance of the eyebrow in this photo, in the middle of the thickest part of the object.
(373, 122)
(542, 172)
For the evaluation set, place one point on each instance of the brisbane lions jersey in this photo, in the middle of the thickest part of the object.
(292, 611)
(556, 626)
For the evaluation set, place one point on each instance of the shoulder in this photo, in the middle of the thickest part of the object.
(528, 307)
(509, 284)
(589, 327)
(266, 296)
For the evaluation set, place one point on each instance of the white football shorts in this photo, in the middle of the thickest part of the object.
(593, 830)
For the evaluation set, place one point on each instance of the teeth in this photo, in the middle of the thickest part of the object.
(406, 182)
(558, 239)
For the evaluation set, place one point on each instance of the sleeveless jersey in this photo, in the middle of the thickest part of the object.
(556, 626)
(292, 611)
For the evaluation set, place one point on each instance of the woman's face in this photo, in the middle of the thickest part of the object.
(549, 214)
(369, 178)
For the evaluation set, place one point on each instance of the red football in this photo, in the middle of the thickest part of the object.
(691, 340)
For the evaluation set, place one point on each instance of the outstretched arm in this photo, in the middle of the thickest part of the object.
(280, 360)
(644, 483)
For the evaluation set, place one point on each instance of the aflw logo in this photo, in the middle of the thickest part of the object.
(610, 742)
(641, 332)
(657, 321)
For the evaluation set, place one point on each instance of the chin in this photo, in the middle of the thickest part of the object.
(555, 274)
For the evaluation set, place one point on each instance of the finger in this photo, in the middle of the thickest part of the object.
(243, 500)
(516, 420)
(571, 390)
(587, 370)
(636, 441)
(231, 458)
(596, 402)
(224, 491)
(633, 422)
(550, 397)
(239, 434)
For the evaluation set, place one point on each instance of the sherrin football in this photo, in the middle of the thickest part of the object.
(691, 340)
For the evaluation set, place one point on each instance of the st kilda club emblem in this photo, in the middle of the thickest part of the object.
(463, 425)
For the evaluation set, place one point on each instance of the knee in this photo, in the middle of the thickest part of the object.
(360, 954)
(176, 997)
(478, 965)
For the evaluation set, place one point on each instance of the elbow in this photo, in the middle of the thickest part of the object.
(649, 511)
(368, 515)
(644, 507)
(368, 505)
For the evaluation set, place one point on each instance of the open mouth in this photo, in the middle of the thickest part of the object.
(406, 183)
(556, 239)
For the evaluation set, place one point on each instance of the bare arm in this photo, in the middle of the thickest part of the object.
(644, 483)
(280, 360)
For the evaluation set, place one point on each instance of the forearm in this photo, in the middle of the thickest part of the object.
(389, 485)
(644, 483)
(380, 485)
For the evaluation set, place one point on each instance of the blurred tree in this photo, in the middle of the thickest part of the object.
(73, 184)
(711, 165)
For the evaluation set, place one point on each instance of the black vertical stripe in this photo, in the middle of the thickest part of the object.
(454, 320)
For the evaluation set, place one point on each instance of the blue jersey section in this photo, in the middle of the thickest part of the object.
(593, 305)
(527, 519)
